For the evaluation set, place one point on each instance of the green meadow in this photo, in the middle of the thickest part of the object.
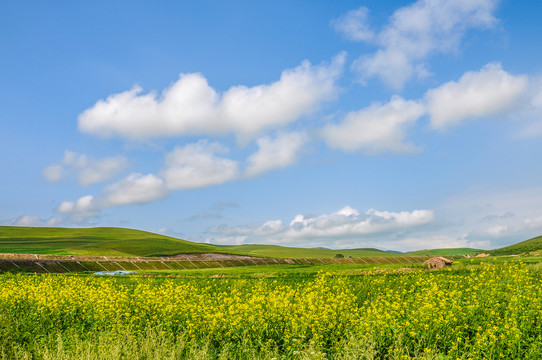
(94, 241)
(107, 241)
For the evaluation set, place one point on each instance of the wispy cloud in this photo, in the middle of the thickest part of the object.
(195, 165)
(88, 170)
(134, 189)
(413, 34)
(354, 25)
(33, 220)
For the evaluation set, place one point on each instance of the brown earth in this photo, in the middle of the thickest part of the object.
(438, 262)
(178, 257)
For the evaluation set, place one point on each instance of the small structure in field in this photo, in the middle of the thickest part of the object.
(115, 273)
(437, 262)
(482, 255)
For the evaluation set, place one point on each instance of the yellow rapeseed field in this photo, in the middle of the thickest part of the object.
(491, 311)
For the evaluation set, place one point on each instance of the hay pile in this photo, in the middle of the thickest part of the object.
(437, 262)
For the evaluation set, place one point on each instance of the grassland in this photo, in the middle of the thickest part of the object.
(527, 246)
(129, 242)
(283, 270)
(297, 253)
(95, 241)
(444, 252)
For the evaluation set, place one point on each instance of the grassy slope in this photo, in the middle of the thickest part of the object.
(129, 242)
(534, 244)
(441, 252)
(292, 252)
(95, 241)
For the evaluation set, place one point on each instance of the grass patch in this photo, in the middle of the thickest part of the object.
(282, 270)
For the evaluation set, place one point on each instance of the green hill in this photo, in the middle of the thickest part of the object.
(95, 241)
(111, 241)
(294, 252)
(442, 252)
(527, 246)
(128, 242)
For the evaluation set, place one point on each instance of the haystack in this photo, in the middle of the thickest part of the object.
(482, 255)
(437, 262)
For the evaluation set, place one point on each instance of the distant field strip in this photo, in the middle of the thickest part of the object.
(63, 264)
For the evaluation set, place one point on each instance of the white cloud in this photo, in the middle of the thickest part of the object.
(532, 114)
(54, 173)
(480, 218)
(191, 106)
(518, 228)
(498, 217)
(84, 207)
(436, 242)
(347, 225)
(197, 166)
(193, 166)
(33, 220)
(354, 25)
(375, 129)
(348, 222)
(537, 100)
(134, 189)
(275, 153)
(89, 171)
(490, 91)
(419, 30)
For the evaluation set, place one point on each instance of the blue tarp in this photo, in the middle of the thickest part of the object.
(118, 272)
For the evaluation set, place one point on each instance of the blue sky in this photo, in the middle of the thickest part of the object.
(397, 125)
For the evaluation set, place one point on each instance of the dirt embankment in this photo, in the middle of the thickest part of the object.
(210, 256)
(178, 257)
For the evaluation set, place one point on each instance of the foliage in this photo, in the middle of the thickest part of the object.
(485, 311)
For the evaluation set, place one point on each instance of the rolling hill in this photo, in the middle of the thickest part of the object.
(442, 252)
(296, 253)
(95, 241)
(527, 246)
(111, 241)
